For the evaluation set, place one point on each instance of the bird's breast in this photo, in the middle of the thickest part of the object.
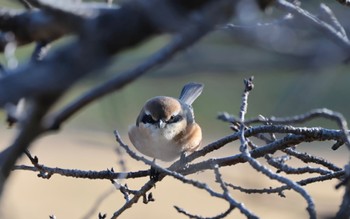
(155, 142)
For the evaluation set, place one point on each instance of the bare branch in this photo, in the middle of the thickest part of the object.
(228, 197)
(316, 113)
(97, 203)
(330, 16)
(281, 167)
(279, 190)
(31, 128)
(103, 174)
(40, 51)
(223, 215)
(301, 134)
(259, 167)
(148, 186)
(176, 175)
(307, 158)
(327, 29)
(26, 4)
(36, 25)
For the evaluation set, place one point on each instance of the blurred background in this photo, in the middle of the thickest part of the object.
(296, 69)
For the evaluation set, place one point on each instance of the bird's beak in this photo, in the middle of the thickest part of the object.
(161, 124)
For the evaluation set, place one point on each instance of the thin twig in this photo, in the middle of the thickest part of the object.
(40, 51)
(279, 190)
(26, 4)
(103, 174)
(256, 165)
(261, 168)
(173, 174)
(31, 128)
(308, 135)
(302, 118)
(229, 198)
(308, 158)
(145, 188)
(97, 203)
(300, 170)
(333, 19)
(327, 29)
(223, 215)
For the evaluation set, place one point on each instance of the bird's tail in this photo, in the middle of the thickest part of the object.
(190, 92)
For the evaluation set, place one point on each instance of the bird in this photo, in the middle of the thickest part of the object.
(165, 128)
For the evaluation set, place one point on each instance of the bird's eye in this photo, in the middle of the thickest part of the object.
(148, 119)
(174, 119)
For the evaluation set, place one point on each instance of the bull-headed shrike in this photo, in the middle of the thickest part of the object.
(165, 127)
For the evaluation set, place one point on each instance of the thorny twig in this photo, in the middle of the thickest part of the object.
(297, 119)
(301, 170)
(103, 174)
(177, 176)
(279, 190)
(307, 158)
(259, 167)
